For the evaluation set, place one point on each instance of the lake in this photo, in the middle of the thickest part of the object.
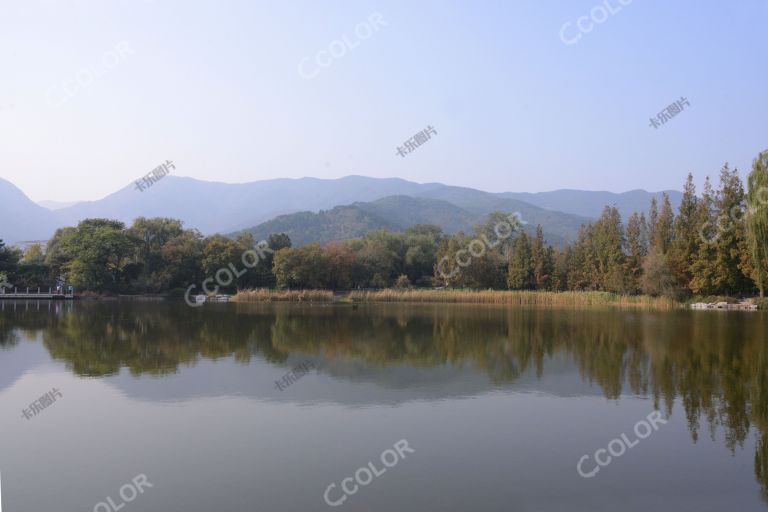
(144, 406)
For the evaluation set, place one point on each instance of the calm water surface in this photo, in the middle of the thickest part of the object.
(498, 405)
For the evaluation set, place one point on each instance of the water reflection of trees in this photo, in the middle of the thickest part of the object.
(715, 364)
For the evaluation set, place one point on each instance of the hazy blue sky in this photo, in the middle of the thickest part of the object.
(215, 87)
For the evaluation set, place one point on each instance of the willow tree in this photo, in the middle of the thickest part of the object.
(757, 220)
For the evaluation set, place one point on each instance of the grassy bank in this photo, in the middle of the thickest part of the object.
(532, 298)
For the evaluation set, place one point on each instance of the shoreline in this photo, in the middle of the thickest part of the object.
(577, 299)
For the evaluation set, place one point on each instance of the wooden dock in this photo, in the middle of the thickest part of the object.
(34, 295)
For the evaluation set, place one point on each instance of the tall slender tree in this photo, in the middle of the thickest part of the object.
(636, 249)
(703, 267)
(542, 261)
(731, 246)
(685, 241)
(562, 263)
(609, 249)
(653, 221)
(521, 276)
(663, 233)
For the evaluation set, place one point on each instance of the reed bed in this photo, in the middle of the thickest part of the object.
(267, 295)
(519, 298)
(523, 298)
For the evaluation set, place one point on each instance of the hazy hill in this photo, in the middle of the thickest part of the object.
(21, 218)
(397, 213)
(558, 226)
(56, 205)
(405, 211)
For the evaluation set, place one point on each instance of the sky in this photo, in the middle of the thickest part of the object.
(95, 94)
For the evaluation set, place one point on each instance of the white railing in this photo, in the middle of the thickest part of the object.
(4, 292)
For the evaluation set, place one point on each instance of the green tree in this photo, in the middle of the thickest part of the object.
(9, 261)
(563, 261)
(100, 251)
(521, 273)
(653, 221)
(488, 271)
(658, 278)
(182, 258)
(499, 230)
(757, 220)
(609, 250)
(542, 260)
(382, 253)
(277, 241)
(57, 255)
(685, 241)
(703, 267)
(663, 232)
(302, 267)
(583, 273)
(636, 250)
(447, 270)
(598, 259)
(32, 271)
(731, 244)
(341, 265)
(264, 274)
(151, 236)
(225, 260)
(489, 251)
(33, 255)
(421, 243)
(218, 252)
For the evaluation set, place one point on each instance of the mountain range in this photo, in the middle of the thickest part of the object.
(317, 209)
(397, 213)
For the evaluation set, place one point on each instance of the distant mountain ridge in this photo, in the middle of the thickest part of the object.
(591, 203)
(215, 207)
(221, 207)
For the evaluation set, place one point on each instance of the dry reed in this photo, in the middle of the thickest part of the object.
(532, 298)
(267, 295)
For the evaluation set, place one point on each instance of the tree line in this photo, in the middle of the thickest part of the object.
(715, 244)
